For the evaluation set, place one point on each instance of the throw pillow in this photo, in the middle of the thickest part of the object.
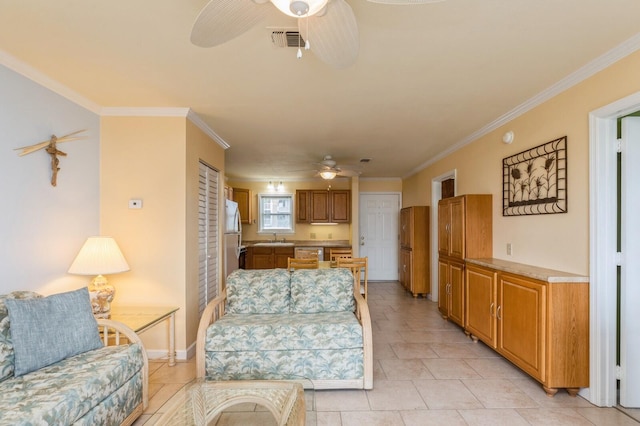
(6, 347)
(47, 330)
(322, 290)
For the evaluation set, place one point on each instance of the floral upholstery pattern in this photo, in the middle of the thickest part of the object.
(285, 325)
(343, 364)
(6, 347)
(90, 384)
(282, 332)
(262, 291)
(322, 290)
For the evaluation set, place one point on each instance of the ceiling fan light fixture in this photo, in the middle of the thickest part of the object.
(328, 174)
(299, 8)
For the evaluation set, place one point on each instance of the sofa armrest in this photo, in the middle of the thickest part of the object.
(116, 329)
(213, 311)
(362, 313)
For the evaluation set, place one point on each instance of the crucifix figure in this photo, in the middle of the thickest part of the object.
(53, 151)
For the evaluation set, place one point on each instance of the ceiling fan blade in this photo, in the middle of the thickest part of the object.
(222, 20)
(349, 172)
(333, 35)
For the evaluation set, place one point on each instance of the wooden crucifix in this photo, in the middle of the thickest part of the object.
(52, 149)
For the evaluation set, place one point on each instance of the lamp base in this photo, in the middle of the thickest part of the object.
(101, 294)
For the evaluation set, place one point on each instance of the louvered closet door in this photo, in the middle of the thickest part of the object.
(207, 235)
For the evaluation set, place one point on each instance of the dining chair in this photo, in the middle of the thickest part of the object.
(357, 266)
(293, 263)
(334, 253)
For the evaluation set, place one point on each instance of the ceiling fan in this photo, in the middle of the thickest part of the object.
(329, 24)
(329, 169)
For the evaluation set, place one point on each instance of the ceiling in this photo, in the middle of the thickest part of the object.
(426, 78)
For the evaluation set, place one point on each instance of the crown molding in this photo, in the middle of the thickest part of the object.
(143, 112)
(593, 67)
(199, 122)
(165, 112)
(22, 68)
(47, 82)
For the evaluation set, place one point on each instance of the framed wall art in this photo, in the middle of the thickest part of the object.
(535, 181)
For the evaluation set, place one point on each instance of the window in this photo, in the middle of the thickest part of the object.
(276, 213)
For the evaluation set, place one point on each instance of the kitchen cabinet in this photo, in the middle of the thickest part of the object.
(321, 206)
(414, 250)
(464, 231)
(268, 257)
(539, 324)
(451, 290)
(243, 198)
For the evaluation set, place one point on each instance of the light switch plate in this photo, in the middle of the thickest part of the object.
(135, 204)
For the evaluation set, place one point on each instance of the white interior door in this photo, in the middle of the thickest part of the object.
(379, 215)
(630, 268)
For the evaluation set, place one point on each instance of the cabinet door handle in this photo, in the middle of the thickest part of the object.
(498, 313)
(491, 309)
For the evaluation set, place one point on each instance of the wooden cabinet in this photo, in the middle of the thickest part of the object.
(243, 198)
(406, 269)
(281, 256)
(414, 250)
(268, 257)
(451, 289)
(340, 206)
(521, 316)
(465, 226)
(464, 231)
(481, 302)
(320, 206)
(540, 326)
(303, 212)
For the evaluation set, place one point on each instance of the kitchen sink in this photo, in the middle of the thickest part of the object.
(275, 244)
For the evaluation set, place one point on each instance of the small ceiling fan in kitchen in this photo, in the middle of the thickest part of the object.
(328, 169)
(328, 27)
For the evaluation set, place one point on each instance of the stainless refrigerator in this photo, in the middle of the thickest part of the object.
(232, 237)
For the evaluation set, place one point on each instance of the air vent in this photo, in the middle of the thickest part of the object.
(286, 39)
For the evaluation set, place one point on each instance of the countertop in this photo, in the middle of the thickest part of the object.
(537, 273)
(307, 243)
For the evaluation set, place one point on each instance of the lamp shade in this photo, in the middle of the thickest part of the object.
(327, 174)
(98, 256)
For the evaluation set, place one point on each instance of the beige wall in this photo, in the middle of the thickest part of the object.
(558, 241)
(155, 159)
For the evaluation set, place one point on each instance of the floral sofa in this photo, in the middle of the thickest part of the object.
(273, 324)
(106, 385)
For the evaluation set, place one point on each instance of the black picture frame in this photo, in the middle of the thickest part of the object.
(535, 181)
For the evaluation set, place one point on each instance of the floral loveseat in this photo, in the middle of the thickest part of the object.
(276, 325)
(106, 385)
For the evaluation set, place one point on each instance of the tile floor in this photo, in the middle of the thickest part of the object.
(426, 371)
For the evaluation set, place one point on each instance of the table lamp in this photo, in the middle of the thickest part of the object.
(100, 255)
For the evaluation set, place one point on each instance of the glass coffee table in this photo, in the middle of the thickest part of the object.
(204, 402)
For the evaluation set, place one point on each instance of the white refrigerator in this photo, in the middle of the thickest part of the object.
(232, 237)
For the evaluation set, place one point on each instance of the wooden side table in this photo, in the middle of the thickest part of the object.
(142, 318)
